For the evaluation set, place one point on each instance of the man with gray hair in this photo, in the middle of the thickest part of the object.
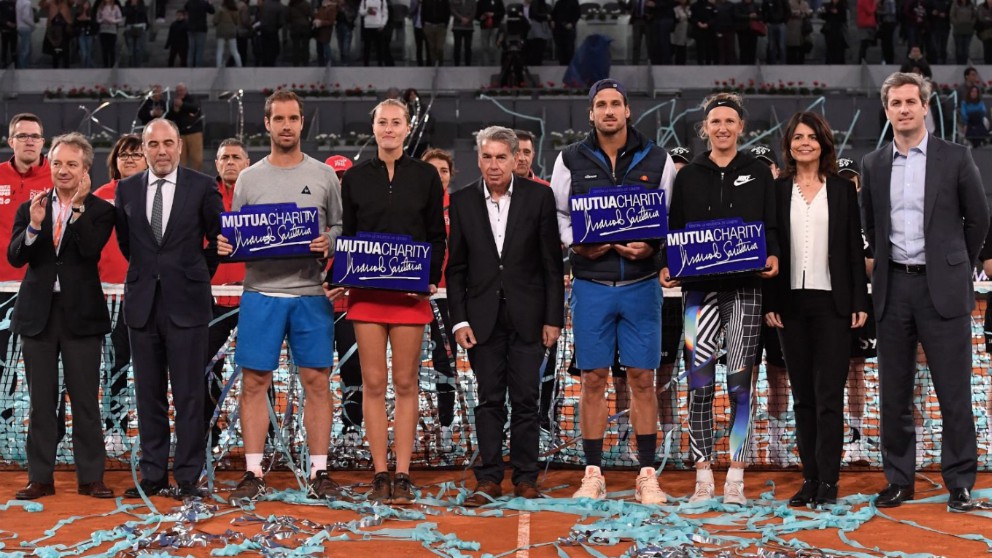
(60, 313)
(925, 219)
(504, 243)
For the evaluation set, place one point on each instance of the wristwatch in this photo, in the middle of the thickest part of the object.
(80, 210)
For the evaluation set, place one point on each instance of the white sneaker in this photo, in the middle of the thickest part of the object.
(704, 486)
(733, 493)
(648, 491)
(593, 484)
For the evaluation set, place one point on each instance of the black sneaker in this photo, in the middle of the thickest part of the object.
(250, 489)
(321, 486)
(403, 490)
(382, 489)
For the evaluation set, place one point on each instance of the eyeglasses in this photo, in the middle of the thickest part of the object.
(130, 156)
(29, 137)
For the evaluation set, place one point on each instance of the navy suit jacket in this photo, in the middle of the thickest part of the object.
(185, 262)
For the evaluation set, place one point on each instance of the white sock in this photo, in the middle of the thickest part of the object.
(317, 463)
(253, 463)
(735, 474)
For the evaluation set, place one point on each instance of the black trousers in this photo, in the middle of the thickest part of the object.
(506, 363)
(816, 342)
(162, 354)
(463, 46)
(351, 372)
(910, 317)
(81, 369)
(445, 388)
(115, 382)
(564, 44)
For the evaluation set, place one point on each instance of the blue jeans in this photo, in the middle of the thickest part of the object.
(344, 32)
(776, 43)
(196, 41)
(23, 48)
(86, 51)
(136, 48)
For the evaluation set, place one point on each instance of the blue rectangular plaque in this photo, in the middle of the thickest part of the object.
(382, 261)
(280, 230)
(719, 247)
(621, 214)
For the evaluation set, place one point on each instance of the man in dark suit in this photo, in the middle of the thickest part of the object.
(168, 219)
(60, 312)
(506, 298)
(925, 218)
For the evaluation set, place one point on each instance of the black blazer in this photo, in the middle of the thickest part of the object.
(187, 259)
(75, 266)
(845, 250)
(530, 271)
(955, 220)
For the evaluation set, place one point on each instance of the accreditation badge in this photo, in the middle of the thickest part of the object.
(618, 214)
(382, 261)
(720, 247)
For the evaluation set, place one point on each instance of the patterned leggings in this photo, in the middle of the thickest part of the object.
(712, 319)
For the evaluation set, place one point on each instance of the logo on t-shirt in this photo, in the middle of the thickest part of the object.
(743, 179)
(306, 190)
(4, 194)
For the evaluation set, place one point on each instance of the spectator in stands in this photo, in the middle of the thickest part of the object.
(564, 17)
(226, 22)
(375, 15)
(775, 14)
(231, 160)
(662, 25)
(323, 30)
(915, 23)
(963, 16)
(983, 25)
(61, 314)
(971, 78)
(126, 159)
(135, 31)
(726, 38)
(108, 17)
(25, 27)
(154, 106)
(938, 13)
(184, 110)
(819, 296)
(680, 32)
(345, 28)
(641, 13)
(462, 26)
(419, 40)
(26, 173)
(8, 33)
(490, 14)
(797, 32)
(539, 16)
(178, 40)
(245, 31)
(435, 15)
(703, 19)
(58, 31)
(745, 12)
(299, 20)
(196, 14)
(835, 31)
(867, 26)
(85, 29)
(271, 19)
(887, 16)
(975, 116)
(915, 62)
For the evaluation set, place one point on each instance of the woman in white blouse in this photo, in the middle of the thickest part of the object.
(818, 298)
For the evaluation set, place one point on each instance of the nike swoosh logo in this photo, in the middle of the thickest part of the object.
(743, 179)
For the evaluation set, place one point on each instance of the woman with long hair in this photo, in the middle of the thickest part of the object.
(392, 193)
(818, 298)
(722, 183)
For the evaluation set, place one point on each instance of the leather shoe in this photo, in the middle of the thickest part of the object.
(893, 496)
(96, 489)
(826, 494)
(806, 494)
(526, 489)
(150, 488)
(483, 489)
(189, 489)
(960, 500)
(35, 490)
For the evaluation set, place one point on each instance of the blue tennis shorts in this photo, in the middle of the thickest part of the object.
(605, 318)
(264, 321)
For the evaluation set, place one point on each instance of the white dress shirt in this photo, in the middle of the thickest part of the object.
(810, 246)
(168, 194)
(57, 208)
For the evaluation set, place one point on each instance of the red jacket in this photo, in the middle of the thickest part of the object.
(15, 189)
(866, 14)
(112, 266)
(232, 273)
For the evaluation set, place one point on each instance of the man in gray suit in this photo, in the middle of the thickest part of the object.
(925, 217)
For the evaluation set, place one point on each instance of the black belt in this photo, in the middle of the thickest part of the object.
(912, 269)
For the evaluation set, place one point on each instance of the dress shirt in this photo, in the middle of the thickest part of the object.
(907, 199)
(57, 209)
(809, 224)
(168, 194)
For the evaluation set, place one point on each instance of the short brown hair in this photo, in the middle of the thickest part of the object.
(25, 117)
(127, 142)
(524, 135)
(824, 136)
(899, 79)
(435, 153)
(281, 95)
(75, 139)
